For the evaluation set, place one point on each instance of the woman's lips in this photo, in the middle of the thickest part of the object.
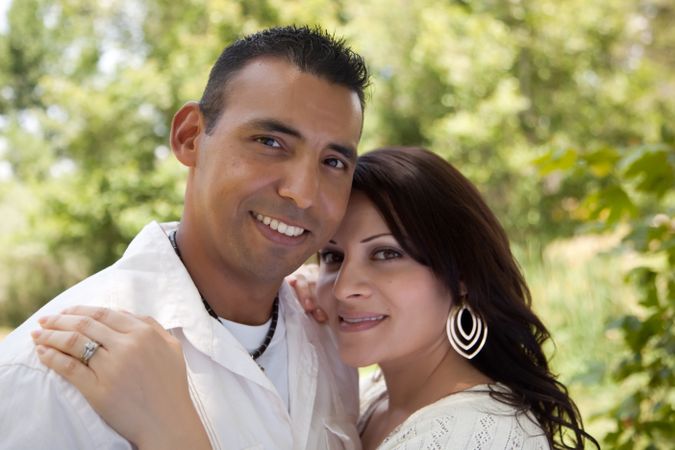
(361, 322)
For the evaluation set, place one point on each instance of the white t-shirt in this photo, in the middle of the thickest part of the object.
(274, 359)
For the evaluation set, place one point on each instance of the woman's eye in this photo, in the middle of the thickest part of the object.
(331, 257)
(268, 141)
(386, 254)
(335, 163)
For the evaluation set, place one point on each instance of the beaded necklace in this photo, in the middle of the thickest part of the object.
(257, 353)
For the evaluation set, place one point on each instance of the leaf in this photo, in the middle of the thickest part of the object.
(653, 166)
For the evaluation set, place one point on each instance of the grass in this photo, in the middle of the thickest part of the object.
(577, 289)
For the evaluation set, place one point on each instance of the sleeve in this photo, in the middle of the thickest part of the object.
(40, 410)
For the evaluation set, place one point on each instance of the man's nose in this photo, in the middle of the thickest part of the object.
(300, 183)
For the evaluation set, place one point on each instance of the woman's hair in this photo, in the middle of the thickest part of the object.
(441, 220)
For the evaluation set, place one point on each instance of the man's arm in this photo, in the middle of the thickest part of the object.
(40, 410)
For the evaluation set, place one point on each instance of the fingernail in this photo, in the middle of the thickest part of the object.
(40, 349)
(35, 334)
(42, 320)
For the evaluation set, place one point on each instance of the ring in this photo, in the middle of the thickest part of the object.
(89, 349)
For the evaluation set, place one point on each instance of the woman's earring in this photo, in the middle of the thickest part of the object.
(467, 344)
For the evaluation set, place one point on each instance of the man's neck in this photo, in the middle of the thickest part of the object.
(239, 297)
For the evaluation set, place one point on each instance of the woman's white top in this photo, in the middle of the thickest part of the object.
(470, 420)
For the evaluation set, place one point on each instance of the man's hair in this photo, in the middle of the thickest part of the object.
(312, 50)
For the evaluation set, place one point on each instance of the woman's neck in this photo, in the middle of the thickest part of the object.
(431, 375)
(428, 376)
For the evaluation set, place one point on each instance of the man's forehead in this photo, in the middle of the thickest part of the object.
(275, 92)
(269, 70)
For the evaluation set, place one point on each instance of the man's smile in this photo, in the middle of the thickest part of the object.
(279, 226)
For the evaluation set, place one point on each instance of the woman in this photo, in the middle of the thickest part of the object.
(420, 280)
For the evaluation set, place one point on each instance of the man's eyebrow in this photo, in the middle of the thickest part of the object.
(347, 151)
(275, 125)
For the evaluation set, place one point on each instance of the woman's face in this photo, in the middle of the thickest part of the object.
(385, 307)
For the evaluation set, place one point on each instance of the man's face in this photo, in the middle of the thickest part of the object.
(272, 180)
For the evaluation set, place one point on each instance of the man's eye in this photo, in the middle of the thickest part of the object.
(268, 141)
(386, 254)
(335, 163)
(328, 257)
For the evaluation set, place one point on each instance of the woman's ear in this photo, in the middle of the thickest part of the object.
(186, 128)
(462, 289)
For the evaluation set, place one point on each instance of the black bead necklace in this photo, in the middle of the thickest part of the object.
(257, 353)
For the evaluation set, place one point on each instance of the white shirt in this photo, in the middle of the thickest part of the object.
(274, 359)
(238, 405)
(467, 420)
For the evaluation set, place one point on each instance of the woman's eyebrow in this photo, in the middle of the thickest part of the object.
(375, 236)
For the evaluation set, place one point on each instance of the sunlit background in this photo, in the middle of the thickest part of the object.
(561, 111)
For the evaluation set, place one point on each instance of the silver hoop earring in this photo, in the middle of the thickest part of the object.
(466, 344)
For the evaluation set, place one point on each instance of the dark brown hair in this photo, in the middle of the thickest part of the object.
(312, 50)
(439, 217)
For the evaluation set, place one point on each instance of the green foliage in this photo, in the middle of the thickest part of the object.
(633, 189)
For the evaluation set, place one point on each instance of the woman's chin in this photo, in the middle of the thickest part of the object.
(355, 358)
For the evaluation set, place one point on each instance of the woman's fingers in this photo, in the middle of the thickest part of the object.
(121, 321)
(303, 282)
(319, 315)
(79, 375)
(306, 293)
(304, 290)
(85, 327)
(69, 342)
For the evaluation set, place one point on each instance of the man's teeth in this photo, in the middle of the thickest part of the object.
(283, 228)
(363, 319)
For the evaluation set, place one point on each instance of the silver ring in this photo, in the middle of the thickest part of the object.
(89, 349)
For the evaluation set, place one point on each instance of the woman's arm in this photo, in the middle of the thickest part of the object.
(136, 380)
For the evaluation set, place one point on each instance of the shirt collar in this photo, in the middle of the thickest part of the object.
(161, 287)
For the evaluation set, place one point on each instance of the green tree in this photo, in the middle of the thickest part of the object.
(585, 89)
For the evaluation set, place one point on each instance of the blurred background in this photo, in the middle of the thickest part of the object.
(561, 111)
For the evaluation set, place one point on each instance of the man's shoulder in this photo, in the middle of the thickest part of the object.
(116, 286)
(64, 418)
(17, 347)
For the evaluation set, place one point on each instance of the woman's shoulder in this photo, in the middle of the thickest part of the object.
(470, 419)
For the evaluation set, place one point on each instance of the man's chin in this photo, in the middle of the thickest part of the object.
(274, 269)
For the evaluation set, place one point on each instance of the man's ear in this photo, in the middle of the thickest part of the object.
(186, 127)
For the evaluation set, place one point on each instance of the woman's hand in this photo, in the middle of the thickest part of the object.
(136, 380)
(303, 281)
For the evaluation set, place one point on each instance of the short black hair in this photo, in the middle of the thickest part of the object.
(311, 49)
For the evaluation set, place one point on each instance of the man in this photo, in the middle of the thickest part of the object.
(271, 149)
